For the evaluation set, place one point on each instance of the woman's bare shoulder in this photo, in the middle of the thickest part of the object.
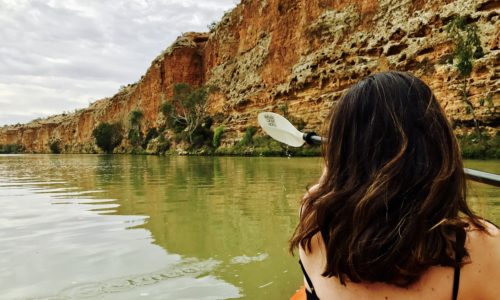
(478, 239)
(481, 275)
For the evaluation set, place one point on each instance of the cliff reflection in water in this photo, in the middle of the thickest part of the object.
(218, 207)
(62, 241)
(222, 223)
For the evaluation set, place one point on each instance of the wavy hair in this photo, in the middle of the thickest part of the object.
(393, 194)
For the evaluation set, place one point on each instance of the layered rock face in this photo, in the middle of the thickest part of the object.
(302, 54)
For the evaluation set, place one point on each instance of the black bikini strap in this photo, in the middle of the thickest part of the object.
(308, 280)
(459, 254)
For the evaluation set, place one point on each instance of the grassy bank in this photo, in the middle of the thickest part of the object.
(475, 147)
(10, 149)
(472, 147)
(266, 146)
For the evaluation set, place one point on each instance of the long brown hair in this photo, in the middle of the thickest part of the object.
(393, 195)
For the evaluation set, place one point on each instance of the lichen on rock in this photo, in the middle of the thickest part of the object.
(238, 78)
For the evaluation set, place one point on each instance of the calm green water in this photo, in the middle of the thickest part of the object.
(145, 227)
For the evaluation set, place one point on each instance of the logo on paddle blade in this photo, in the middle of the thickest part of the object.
(270, 120)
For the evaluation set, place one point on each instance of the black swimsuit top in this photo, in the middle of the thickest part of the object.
(459, 253)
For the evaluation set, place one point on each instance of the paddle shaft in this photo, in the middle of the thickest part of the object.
(474, 175)
(312, 138)
(483, 177)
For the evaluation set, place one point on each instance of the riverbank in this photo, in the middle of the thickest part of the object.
(472, 147)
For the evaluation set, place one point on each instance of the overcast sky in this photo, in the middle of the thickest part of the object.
(60, 55)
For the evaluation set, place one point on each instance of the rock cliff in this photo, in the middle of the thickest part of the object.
(299, 53)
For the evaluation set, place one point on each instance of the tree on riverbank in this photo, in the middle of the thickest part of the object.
(108, 136)
(186, 111)
(11, 148)
(134, 134)
(465, 37)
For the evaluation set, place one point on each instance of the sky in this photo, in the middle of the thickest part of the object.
(60, 55)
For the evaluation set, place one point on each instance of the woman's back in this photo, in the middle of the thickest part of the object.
(479, 277)
(389, 217)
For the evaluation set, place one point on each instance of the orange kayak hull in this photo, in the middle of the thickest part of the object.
(300, 294)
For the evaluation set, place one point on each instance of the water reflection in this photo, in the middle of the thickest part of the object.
(122, 226)
(485, 199)
(221, 208)
(55, 245)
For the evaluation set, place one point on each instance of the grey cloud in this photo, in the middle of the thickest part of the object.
(58, 51)
(53, 95)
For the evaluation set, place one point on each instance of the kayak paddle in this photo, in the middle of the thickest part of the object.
(280, 129)
(283, 131)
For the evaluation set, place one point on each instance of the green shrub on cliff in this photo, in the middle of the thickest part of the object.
(11, 148)
(217, 136)
(135, 137)
(135, 117)
(108, 136)
(465, 37)
(212, 26)
(202, 137)
(248, 137)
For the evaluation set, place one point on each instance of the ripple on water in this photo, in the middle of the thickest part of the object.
(189, 271)
(70, 246)
(243, 259)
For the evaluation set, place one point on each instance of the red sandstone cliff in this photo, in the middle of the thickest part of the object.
(304, 53)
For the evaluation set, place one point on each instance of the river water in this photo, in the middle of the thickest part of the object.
(147, 227)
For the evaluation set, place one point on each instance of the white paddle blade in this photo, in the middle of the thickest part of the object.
(280, 129)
